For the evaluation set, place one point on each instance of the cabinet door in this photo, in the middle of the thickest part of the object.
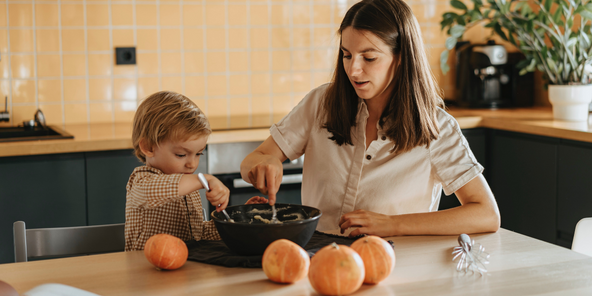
(574, 193)
(44, 191)
(477, 138)
(107, 173)
(523, 178)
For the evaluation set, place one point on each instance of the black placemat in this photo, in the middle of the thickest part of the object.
(217, 253)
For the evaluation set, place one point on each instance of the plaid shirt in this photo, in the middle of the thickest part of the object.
(153, 206)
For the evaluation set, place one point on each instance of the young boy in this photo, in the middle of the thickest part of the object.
(169, 135)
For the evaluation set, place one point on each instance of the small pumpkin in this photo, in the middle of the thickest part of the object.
(378, 256)
(285, 262)
(166, 251)
(336, 270)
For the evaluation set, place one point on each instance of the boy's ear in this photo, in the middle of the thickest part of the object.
(147, 149)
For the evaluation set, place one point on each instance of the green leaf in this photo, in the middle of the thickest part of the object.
(522, 72)
(450, 42)
(461, 19)
(458, 4)
(475, 15)
(523, 63)
(443, 62)
(445, 23)
(552, 65)
(584, 13)
(498, 30)
(548, 4)
(486, 12)
(457, 31)
(449, 15)
(531, 66)
(571, 42)
(511, 37)
(490, 25)
(557, 16)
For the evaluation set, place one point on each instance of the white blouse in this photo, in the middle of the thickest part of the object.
(340, 179)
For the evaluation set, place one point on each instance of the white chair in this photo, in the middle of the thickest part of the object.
(582, 241)
(66, 241)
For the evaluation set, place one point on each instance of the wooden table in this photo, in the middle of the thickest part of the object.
(520, 265)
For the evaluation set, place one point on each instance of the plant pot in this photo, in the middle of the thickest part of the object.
(570, 102)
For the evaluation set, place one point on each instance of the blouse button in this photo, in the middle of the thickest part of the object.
(368, 157)
(383, 138)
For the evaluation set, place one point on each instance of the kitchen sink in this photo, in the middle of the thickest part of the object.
(19, 133)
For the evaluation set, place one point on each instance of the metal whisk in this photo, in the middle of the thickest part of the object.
(472, 256)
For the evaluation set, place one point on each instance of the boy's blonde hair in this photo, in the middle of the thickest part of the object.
(167, 115)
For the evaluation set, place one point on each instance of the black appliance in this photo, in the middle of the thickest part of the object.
(487, 77)
(224, 161)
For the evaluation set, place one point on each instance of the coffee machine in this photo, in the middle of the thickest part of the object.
(487, 77)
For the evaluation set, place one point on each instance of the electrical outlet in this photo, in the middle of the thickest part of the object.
(125, 55)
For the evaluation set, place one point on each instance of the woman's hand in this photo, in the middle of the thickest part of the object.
(266, 176)
(218, 194)
(256, 200)
(367, 223)
(263, 168)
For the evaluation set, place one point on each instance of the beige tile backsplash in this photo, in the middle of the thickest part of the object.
(244, 62)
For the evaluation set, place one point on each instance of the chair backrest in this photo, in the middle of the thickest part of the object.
(66, 241)
(582, 241)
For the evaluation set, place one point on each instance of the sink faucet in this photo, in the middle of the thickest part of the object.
(4, 116)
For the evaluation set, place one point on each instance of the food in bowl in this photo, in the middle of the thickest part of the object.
(250, 235)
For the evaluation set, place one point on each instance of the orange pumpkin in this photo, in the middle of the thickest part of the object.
(166, 251)
(378, 256)
(336, 270)
(285, 262)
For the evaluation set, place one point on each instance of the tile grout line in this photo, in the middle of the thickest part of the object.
(227, 57)
(158, 47)
(8, 56)
(60, 41)
(205, 57)
(249, 67)
(182, 46)
(35, 70)
(87, 80)
(270, 59)
(310, 44)
(112, 60)
(291, 26)
(136, 70)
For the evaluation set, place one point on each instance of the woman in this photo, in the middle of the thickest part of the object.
(379, 147)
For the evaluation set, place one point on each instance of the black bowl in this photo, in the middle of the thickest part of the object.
(251, 236)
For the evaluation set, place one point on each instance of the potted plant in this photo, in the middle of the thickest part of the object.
(554, 35)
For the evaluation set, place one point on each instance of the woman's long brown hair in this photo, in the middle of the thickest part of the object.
(409, 118)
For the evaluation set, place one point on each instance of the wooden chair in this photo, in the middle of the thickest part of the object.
(66, 241)
(582, 241)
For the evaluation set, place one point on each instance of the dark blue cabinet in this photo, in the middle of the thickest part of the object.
(523, 178)
(107, 173)
(43, 191)
(574, 188)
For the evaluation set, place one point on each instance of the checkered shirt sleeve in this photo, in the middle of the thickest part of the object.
(153, 206)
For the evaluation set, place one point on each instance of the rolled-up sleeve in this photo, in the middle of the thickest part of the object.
(151, 190)
(293, 131)
(452, 160)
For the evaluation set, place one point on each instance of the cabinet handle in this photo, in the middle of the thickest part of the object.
(287, 179)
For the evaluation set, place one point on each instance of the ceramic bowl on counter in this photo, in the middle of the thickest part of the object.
(251, 232)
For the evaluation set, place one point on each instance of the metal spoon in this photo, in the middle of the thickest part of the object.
(206, 185)
(274, 219)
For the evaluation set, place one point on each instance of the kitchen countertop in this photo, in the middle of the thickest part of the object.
(519, 265)
(115, 136)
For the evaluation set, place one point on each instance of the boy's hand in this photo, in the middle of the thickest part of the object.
(218, 194)
(256, 200)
